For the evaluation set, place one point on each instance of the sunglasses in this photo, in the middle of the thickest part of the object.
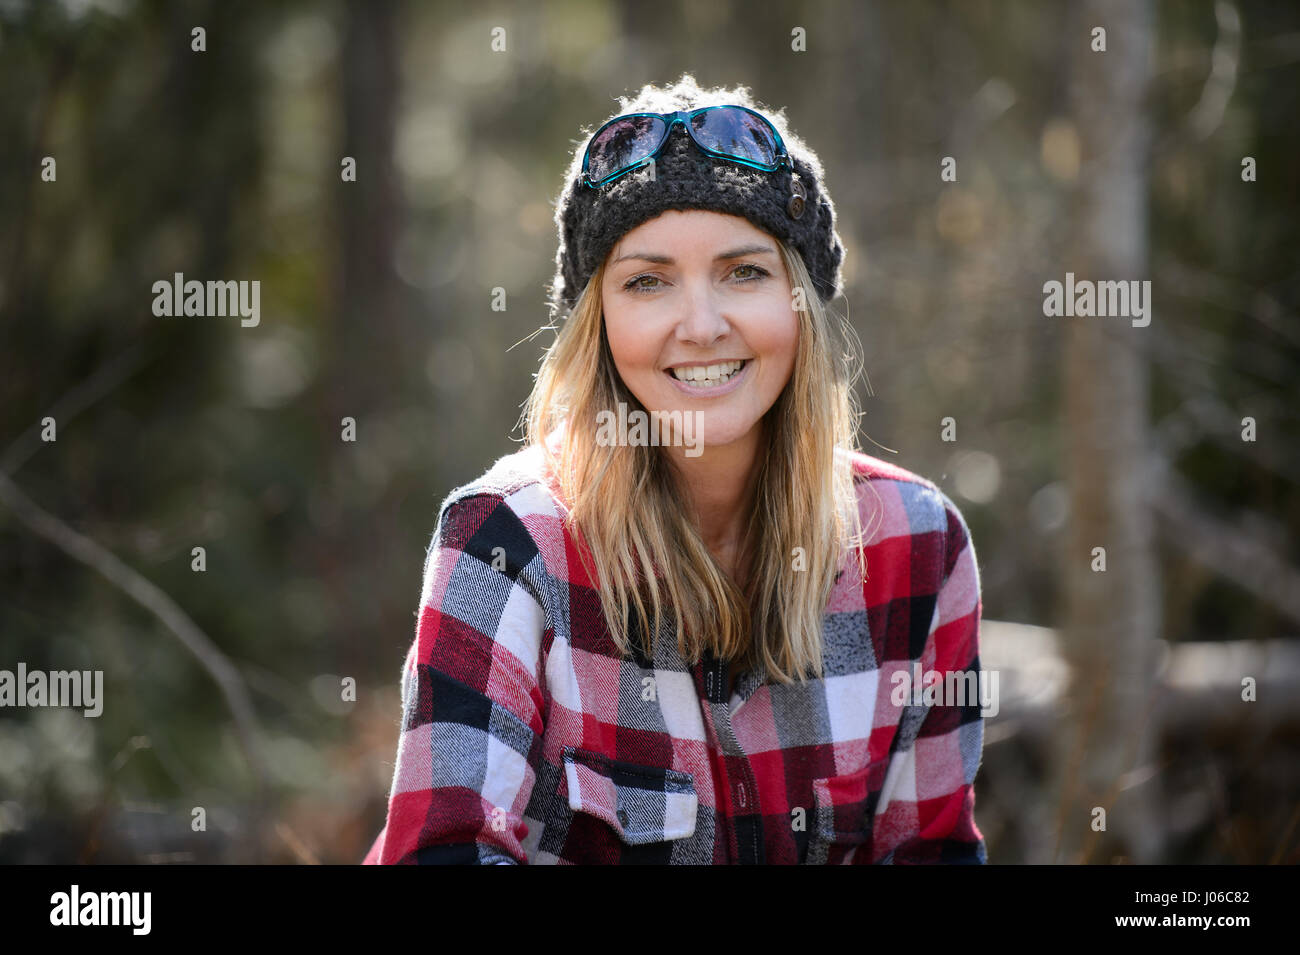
(734, 133)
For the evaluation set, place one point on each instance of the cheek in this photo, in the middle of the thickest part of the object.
(633, 351)
(778, 343)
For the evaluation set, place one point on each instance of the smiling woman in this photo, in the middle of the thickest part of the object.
(630, 653)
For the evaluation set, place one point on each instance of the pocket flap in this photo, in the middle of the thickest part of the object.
(643, 804)
(844, 804)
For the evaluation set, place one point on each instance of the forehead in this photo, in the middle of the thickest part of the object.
(683, 231)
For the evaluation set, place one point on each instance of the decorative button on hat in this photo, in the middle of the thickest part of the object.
(798, 198)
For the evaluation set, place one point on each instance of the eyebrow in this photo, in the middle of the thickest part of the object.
(721, 256)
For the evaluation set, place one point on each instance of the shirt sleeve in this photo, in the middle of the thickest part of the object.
(930, 815)
(470, 741)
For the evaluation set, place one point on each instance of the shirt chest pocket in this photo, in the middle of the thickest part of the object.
(642, 804)
(843, 813)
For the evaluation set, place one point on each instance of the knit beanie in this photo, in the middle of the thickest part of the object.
(591, 221)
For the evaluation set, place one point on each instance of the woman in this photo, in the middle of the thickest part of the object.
(680, 625)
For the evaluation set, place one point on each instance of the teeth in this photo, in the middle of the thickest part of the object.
(708, 375)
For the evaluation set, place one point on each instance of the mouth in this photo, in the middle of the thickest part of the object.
(704, 377)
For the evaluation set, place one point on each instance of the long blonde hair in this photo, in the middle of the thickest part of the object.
(626, 500)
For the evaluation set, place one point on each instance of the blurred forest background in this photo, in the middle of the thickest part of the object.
(1121, 689)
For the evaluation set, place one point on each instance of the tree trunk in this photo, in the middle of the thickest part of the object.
(1113, 617)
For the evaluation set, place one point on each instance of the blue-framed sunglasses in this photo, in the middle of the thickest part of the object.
(734, 133)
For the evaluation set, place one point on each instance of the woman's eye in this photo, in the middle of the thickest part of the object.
(638, 283)
(751, 271)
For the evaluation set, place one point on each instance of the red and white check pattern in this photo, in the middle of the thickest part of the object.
(527, 739)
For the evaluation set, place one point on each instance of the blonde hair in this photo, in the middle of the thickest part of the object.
(626, 500)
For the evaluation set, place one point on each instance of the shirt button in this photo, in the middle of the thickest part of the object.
(740, 794)
(622, 817)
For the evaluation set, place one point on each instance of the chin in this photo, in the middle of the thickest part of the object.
(720, 435)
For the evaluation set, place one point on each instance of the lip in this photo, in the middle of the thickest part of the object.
(716, 391)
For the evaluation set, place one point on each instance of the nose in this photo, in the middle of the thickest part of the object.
(701, 321)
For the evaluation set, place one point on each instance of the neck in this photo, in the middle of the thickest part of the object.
(720, 485)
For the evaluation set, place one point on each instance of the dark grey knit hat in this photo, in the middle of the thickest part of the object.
(591, 221)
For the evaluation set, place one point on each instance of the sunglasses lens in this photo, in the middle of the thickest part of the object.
(735, 132)
(622, 143)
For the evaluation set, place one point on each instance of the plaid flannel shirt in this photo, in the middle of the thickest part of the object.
(525, 738)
